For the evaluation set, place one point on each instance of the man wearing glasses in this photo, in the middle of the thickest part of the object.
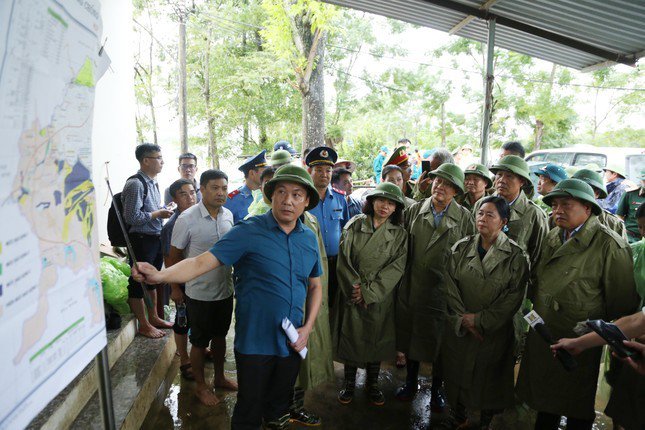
(187, 170)
(143, 213)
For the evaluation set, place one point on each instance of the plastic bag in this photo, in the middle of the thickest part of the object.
(122, 266)
(115, 286)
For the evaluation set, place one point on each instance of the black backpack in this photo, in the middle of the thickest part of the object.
(115, 234)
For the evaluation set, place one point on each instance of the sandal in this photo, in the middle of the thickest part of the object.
(187, 372)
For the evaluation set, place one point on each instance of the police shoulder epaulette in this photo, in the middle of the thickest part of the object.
(338, 191)
(233, 193)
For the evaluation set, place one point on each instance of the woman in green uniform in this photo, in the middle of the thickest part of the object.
(371, 261)
(486, 282)
(434, 225)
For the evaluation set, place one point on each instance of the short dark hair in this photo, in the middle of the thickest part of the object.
(269, 171)
(515, 148)
(305, 152)
(176, 186)
(338, 173)
(390, 167)
(502, 206)
(640, 212)
(404, 140)
(211, 175)
(187, 156)
(396, 217)
(145, 149)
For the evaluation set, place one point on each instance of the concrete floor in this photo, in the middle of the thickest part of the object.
(179, 409)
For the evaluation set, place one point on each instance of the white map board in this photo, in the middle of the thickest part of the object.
(51, 307)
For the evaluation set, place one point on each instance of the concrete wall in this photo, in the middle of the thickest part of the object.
(114, 133)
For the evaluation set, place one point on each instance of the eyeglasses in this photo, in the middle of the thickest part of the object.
(188, 166)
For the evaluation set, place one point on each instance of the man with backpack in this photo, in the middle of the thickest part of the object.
(143, 213)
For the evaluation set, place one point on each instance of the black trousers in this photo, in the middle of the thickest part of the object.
(265, 388)
(332, 283)
(546, 421)
(147, 248)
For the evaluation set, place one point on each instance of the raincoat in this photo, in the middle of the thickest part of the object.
(421, 299)
(479, 375)
(589, 276)
(375, 259)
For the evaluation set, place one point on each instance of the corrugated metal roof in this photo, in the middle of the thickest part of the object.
(611, 25)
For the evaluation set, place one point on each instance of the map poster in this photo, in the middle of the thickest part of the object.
(51, 307)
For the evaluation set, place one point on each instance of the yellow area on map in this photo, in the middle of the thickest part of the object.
(85, 75)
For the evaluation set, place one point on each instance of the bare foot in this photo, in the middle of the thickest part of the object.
(151, 332)
(206, 396)
(159, 323)
(225, 383)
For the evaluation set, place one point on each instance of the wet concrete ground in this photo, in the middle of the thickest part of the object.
(179, 408)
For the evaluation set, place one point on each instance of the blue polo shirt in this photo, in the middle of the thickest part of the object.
(332, 215)
(273, 270)
(238, 202)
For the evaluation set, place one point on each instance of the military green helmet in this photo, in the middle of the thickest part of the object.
(594, 179)
(480, 170)
(296, 174)
(450, 172)
(616, 169)
(387, 190)
(280, 158)
(513, 164)
(577, 189)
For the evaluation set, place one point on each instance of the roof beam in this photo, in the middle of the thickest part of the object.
(464, 22)
(545, 34)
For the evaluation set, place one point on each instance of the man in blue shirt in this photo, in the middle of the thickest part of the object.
(341, 180)
(277, 260)
(240, 199)
(331, 212)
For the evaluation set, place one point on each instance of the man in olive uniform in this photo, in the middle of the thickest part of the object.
(585, 272)
(434, 225)
(423, 187)
(600, 192)
(400, 158)
(478, 184)
(239, 200)
(627, 207)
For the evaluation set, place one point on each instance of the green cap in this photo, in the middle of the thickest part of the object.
(616, 169)
(577, 189)
(451, 172)
(481, 170)
(296, 174)
(280, 158)
(594, 179)
(513, 164)
(388, 191)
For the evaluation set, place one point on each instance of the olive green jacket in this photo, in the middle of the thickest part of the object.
(374, 259)
(421, 299)
(606, 218)
(480, 374)
(528, 226)
(589, 276)
(318, 367)
(464, 199)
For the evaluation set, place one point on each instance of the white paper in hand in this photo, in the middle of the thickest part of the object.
(292, 334)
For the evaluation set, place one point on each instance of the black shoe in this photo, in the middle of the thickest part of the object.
(406, 392)
(305, 418)
(376, 395)
(437, 401)
(346, 395)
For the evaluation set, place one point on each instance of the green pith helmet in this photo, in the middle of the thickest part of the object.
(577, 189)
(280, 158)
(594, 179)
(291, 173)
(387, 190)
(480, 170)
(513, 164)
(452, 173)
(616, 169)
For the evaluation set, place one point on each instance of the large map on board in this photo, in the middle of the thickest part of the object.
(51, 308)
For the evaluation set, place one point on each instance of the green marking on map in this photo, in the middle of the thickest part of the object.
(57, 17)
(51, 342)
(85, 75)
(43, 132)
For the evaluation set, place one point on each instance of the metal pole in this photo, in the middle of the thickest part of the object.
(488, 88)
(183, 127)
(105, 390)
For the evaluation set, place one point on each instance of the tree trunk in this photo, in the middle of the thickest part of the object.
(443, 124)
(183, 127)
(213, 153)
(539, 132)
(263, 135)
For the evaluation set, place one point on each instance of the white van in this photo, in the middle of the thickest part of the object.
(630, 159)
